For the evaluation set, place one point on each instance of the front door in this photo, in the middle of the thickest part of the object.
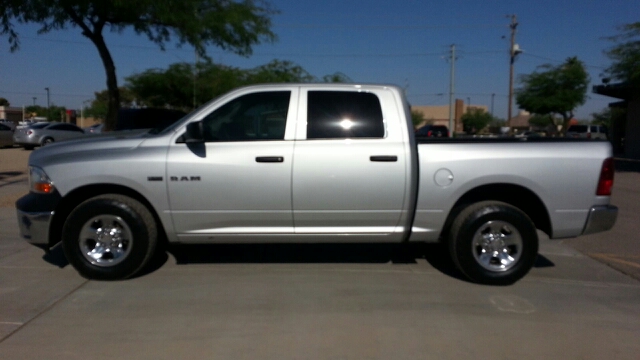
(238, 183)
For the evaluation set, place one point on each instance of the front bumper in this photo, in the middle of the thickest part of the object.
(35, 212)
(601, 218)
(34, 227)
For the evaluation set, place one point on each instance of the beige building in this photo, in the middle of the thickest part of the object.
(439, 114)
(9, 113)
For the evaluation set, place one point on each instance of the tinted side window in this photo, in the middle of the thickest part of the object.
(343, 114)
(3, 127)
(594, 129)
(258, 116)
(578, 128)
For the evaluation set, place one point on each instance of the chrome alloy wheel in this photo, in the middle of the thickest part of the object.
(105, 240)
(497, 245)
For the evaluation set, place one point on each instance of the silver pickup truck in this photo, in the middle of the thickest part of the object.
(313, 163)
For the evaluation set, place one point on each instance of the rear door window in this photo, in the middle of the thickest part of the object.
(343, 115)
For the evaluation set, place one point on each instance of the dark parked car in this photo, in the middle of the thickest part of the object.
(141, 119)
(6, 135)
(148, 118)
(433, 131)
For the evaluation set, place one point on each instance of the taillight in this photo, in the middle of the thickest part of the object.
(588, 135)
(606, 178)
(29, 132)
(430, 133)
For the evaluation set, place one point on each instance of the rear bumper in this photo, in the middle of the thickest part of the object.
(601, 218)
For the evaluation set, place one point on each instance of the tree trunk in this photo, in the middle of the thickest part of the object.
(566, 119)
(112, 82)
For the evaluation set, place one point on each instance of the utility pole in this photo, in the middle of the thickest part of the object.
(451, 88)
(512, 58)
(34, 100)
(48, 105)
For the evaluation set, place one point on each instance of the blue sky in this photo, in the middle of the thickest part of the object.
(400, 42)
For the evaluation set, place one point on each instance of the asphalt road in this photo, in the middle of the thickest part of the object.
(327, 301)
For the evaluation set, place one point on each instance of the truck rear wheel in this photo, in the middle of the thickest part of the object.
(109, 237)
(493, 243)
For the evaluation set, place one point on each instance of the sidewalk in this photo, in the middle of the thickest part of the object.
(12, 188)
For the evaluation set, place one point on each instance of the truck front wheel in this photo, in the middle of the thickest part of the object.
(493, 243)
(109, 237)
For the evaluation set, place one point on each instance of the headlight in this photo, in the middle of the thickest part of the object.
(39, 182)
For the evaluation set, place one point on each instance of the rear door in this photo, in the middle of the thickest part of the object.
(350, 166)
(238, 183)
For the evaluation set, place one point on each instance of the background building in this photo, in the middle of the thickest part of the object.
(439, 114)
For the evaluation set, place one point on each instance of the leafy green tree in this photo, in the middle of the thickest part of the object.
(100, 104)
(229, 24)
(554, 89)
(608, 115)
(498, 122)
(337, 77)
(545, 120)
(53, 113)
(626, 55)
(474, 120)
(174, 87)
(418, 119)
(4, 102)
(278, 71)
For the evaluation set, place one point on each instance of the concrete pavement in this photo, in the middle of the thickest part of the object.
(312, 302)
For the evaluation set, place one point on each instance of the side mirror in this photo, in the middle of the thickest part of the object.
(194, 134)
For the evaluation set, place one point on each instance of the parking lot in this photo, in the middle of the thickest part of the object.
(330, 301)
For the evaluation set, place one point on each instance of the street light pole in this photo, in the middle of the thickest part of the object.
(34, 100)
(48, 105)
(492, 97)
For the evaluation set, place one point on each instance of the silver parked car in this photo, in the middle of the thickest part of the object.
(6, 135)
(587, 132)
(41, 134)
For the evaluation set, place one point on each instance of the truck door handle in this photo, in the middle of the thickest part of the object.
(384, 158)
(269, 159)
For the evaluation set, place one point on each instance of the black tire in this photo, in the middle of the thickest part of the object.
(111, 212)
(46, 141)
(481, 231)
(29, 147)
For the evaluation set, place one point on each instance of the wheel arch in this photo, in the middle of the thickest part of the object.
(515, 195)
(44, 138)
(81, 194)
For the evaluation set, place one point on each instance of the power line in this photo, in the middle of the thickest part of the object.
(42, 93)
(369, 27)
